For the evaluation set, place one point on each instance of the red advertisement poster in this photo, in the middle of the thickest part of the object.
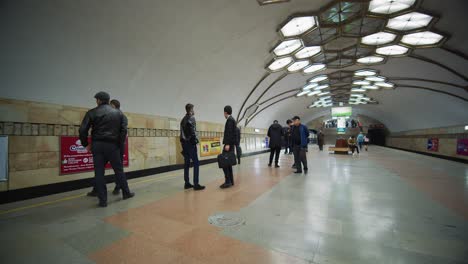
(74, 158)
(462, 146)
(433, 144)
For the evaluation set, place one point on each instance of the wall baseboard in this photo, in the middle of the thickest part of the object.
(431, 155)
(54, 188)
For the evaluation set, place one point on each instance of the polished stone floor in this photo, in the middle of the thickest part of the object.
(384, 206)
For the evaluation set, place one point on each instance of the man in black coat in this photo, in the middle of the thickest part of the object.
(275, 132)
(109, 131)
(229, 142)
(287, 137)
(238, 147)
(189, 141)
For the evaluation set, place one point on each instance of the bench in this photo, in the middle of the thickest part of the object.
(338, 150)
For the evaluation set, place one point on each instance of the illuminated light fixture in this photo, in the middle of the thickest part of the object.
(313, 93)
(370, 87)
(466, 127)
(389, 6)
(267, 2)
(392, 50)
(365, 73)
(310, 86)
(409, 21)
(422, 38)
(324, 98)
(378, 38)
(308, 52)
(297, 26)
(298, 65)
(287, 47)
(357, 95)
(257, 130)
(302, 93)
(361, 82)
(376, 79)
(319, 78)
(314, 68)
(358, 90)
(321, 87)
(324, 93)
(370, 60)
(280, 63)
(385, 84)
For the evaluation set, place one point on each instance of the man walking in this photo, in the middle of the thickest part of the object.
(320, 140)
(108, 134)
(238, 147)
(300, 139)
(360, 140)
(115, 104)
(275, 132)
(229, 142)
(189, 141)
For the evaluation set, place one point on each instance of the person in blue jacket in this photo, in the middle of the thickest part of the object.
(360, 140)
(300, 140)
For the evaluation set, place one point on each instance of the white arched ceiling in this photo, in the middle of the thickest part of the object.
(155, 56)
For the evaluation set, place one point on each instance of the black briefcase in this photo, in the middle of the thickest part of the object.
(227, 159)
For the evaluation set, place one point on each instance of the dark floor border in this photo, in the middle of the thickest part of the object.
(54, 188)
(431, 154)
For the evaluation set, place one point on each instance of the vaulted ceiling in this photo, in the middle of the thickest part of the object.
(155, 56)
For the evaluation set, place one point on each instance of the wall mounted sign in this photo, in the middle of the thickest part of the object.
(74, 158)
(342, 111)
(433, 144)
(3, 158)
(210, 146)
(462, 146)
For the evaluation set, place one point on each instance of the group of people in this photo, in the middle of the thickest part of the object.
(355, 144)
(108, 134)
(296, 140)
(333, 123)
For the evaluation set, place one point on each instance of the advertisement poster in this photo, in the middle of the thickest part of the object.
(462, 146)
(341, 125)
(74, 158)
(210, 146)
(341, 111)
(433, 144)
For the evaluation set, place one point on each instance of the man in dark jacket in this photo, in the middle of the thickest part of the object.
(275, 132)
(109, 131)
(320, 139)
(229, 142)
(189, 141)
(238, 147)
(300, 139)
(115, 104)
(287, 137)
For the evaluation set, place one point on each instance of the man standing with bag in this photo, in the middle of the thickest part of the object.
(189, 141)
(109, 131)
(229, 142)
(300, 139)
(275, 132)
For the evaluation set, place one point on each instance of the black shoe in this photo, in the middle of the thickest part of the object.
(306, 169)
(238, 161)
(128, 196)
(293, 166)
(225, 185)
(92, 194)
(198, 187)
(116, 192)
(277, 166)
(298, 172)
(102, 204)
(269, 164)
(188, 186)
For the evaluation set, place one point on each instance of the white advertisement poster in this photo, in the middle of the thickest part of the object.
(3, 158)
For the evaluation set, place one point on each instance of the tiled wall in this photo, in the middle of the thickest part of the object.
(417, 140)
(34, 130)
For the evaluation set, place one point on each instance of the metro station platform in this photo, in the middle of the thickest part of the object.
(384, 206)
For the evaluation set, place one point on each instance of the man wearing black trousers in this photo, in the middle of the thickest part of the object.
(300, 139)
(275, 132)
(115, 104)
(109, 131)
(238, 147)
(189, 141)
(229, 142)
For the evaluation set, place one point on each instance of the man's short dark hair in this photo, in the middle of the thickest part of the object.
(115, 103)
(289, 121)
(188, 108)
(103, 97)
(275, 122)
(228, 109)
(296, 118)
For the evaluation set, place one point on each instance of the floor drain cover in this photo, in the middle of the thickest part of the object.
(226, 220)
